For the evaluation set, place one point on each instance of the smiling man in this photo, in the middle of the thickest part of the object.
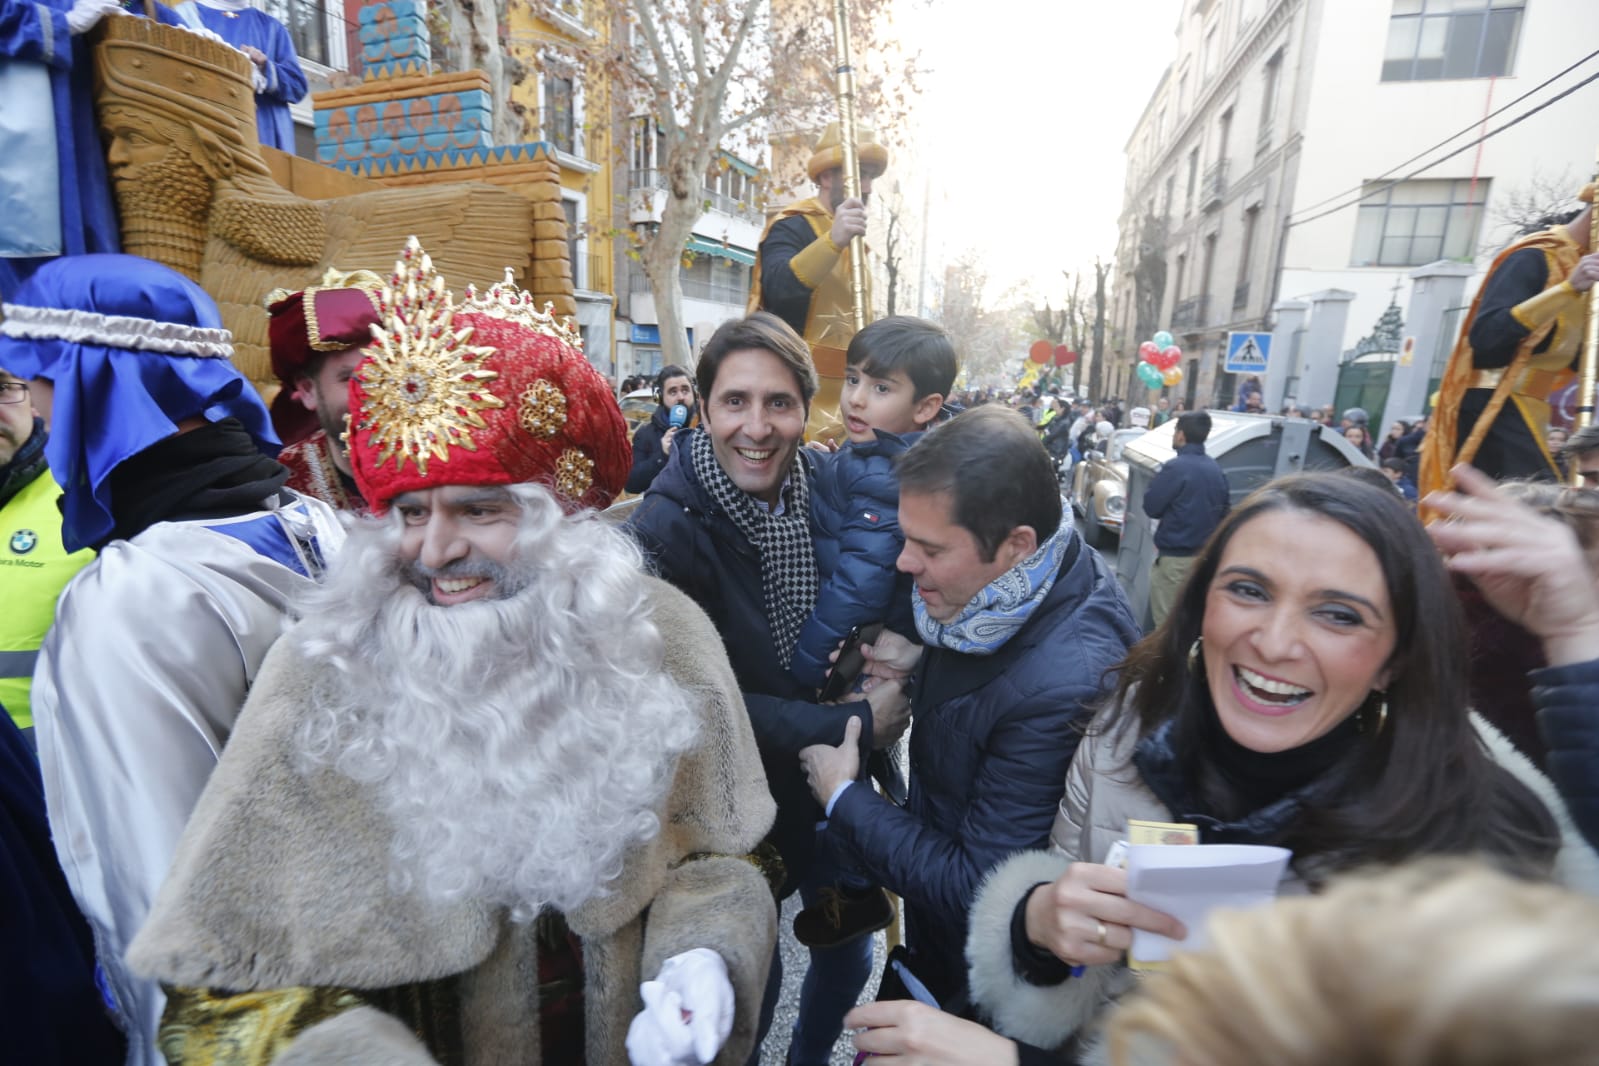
(318, 337)
(1022, 624)
(727, 521)
(497, 777)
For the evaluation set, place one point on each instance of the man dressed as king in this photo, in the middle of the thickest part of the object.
(802, 272)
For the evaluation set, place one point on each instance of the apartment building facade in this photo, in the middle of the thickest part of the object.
(1277, 182)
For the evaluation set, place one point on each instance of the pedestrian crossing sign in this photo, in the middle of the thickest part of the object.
(1247, 352)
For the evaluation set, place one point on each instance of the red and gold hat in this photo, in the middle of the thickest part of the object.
(491, 392)
(331, 317)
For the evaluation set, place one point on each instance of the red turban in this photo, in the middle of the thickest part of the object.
(492, 392)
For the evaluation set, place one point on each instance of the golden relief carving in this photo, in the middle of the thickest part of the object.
(194, 191)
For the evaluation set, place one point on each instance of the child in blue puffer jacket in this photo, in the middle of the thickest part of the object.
(899, 371)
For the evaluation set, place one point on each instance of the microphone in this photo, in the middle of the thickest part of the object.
(677, 416)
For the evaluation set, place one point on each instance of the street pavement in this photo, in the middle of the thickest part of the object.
(795, 959)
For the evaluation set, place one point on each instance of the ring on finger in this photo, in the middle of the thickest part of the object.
(1100, 932)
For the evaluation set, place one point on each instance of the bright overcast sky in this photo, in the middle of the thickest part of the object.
(1023, 119)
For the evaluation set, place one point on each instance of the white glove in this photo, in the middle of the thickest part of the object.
(258, 80)
(86, 14)
(687, 1015)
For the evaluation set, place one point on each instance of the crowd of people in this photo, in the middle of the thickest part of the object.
(361, 727)
(504, 748)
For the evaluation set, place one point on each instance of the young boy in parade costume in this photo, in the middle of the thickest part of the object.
(899, 369)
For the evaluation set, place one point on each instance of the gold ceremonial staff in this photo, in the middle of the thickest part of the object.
(1588, 369)
(852, 166)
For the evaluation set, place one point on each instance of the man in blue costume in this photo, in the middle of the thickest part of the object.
(163, 451)
(52, 167)
(279, 81)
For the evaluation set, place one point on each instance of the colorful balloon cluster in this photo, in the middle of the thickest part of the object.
(1158, 359)
(1042, 352)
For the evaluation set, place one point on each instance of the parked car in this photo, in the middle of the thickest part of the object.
(1099, 486)
(637, 407)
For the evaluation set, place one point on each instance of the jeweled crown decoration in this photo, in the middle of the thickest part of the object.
(425, 383)
(509, 301)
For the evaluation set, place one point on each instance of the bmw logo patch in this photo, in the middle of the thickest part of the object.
(24, 541)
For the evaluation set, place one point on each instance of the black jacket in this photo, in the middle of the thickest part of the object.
(1189, 497)
(648, 457)
(693, 544)
(1567, 698)
(782, 292)
(992, 738)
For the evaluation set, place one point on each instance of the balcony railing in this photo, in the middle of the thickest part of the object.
(718, 289)
(648, 180)
(737, 208)
(715, 290)
(1214, 186)
(1190, 312)
(651, 179)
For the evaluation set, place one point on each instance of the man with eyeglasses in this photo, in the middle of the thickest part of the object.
(1581, 455)
(34, 566)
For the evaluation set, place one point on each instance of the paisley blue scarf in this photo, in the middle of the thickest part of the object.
(1003, 606)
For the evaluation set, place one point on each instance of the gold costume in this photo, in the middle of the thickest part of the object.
(824, 268)
(1557, 314)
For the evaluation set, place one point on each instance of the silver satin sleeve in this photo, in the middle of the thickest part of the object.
(137, 687)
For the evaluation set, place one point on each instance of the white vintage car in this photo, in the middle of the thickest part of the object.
(1099, 486)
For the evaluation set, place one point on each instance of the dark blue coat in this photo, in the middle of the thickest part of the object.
(1189, 497)
(855, 526)
(991, 739)
(649, 458)
(49, 1006)
(1567, 698)
(693, 544)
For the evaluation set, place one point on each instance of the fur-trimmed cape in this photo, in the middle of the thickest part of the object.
(281, 880)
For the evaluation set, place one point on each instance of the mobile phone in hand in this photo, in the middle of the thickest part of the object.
(850, 662)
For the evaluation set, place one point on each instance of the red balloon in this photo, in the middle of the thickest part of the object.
(1149, 352)
(1064, 356)
(1170, 357)
(1040, 351)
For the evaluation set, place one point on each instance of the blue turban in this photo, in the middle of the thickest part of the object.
(133, 348)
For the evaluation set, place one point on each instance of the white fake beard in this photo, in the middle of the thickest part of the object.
(521, 746)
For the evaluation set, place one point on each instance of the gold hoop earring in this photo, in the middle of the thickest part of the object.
(1193, 654)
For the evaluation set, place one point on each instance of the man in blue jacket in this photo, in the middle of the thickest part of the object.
(1022, 624)
(1189, 498)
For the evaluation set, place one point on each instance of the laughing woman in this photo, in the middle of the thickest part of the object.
(1306, 692)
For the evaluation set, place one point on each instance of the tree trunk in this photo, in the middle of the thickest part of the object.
(668, 291)
(663, 252)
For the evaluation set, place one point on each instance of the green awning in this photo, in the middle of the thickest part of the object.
(738, 164)
(737, 255)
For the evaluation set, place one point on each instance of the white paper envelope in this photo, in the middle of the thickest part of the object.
(1190, 882)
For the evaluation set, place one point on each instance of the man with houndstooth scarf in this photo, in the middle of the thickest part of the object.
(727, 522)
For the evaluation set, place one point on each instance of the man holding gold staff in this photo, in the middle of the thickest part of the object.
(802, 268)
(1524, 328)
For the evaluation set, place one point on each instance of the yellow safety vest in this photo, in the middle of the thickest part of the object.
(34, 568)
